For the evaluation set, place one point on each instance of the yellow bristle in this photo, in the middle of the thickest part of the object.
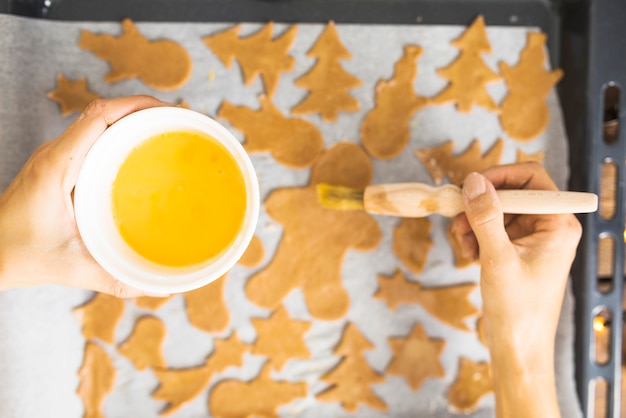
(339, 197)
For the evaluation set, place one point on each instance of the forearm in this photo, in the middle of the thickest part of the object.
(4, 279)
(524, 264)
(17, 258)
(524, 381)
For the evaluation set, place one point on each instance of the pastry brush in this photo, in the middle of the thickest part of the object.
(416, 200)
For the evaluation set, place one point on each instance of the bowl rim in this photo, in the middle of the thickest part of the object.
(94, 220)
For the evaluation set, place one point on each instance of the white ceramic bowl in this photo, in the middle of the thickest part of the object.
(93, 208)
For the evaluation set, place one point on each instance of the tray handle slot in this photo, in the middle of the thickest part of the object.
(606, 263)
(598, 398)
(602, 331)
(611, 122)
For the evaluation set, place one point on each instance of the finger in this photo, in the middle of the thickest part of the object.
(95, 278)
(510, 218)
(528, 175)
(86, 273)
(70, 149)
(484, 214)
(460, 225)
(102, 113)
(560, 232)
(116, 288)
(469, 247)
(463, 235)
(517, 230)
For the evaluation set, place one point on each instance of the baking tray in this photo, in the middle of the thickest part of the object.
(585, 39)
(539, 13)
(593, 37)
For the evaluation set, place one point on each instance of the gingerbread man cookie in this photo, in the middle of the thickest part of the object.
(316, 239)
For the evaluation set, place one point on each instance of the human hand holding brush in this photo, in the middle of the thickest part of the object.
(417, 200)
(525, 262)
(525, 236)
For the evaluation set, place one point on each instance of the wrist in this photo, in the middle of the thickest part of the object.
(525, 361)
(522, 372)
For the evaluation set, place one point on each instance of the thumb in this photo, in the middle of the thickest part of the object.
(485, 216)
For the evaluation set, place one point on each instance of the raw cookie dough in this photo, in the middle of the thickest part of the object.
(473, 382)
(100, 316)
(316, 239)
(280, 338)
(260, 397)
(449, 304)
(328, 83)
(523, 157)
(469, 74)
(162, 64)
(179, 386)
(257, 54)
(385, 129)
(412, 243)
(293, 142)
(254, 253)
(525, 112)
(97, 378)
(416, 357)
(460, 261)
(144, 345)
(150, 302)
(440, 161)
(72, 95)
(351, 378)
(206, 308)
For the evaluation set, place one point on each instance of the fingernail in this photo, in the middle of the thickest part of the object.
(473, 186)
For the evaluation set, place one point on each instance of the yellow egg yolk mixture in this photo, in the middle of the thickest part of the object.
(179, 199)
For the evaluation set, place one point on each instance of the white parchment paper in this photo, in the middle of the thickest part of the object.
(41, 346)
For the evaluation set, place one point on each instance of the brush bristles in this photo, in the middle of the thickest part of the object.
(339, 197)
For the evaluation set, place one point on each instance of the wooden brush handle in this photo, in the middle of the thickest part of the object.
(416, 200)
